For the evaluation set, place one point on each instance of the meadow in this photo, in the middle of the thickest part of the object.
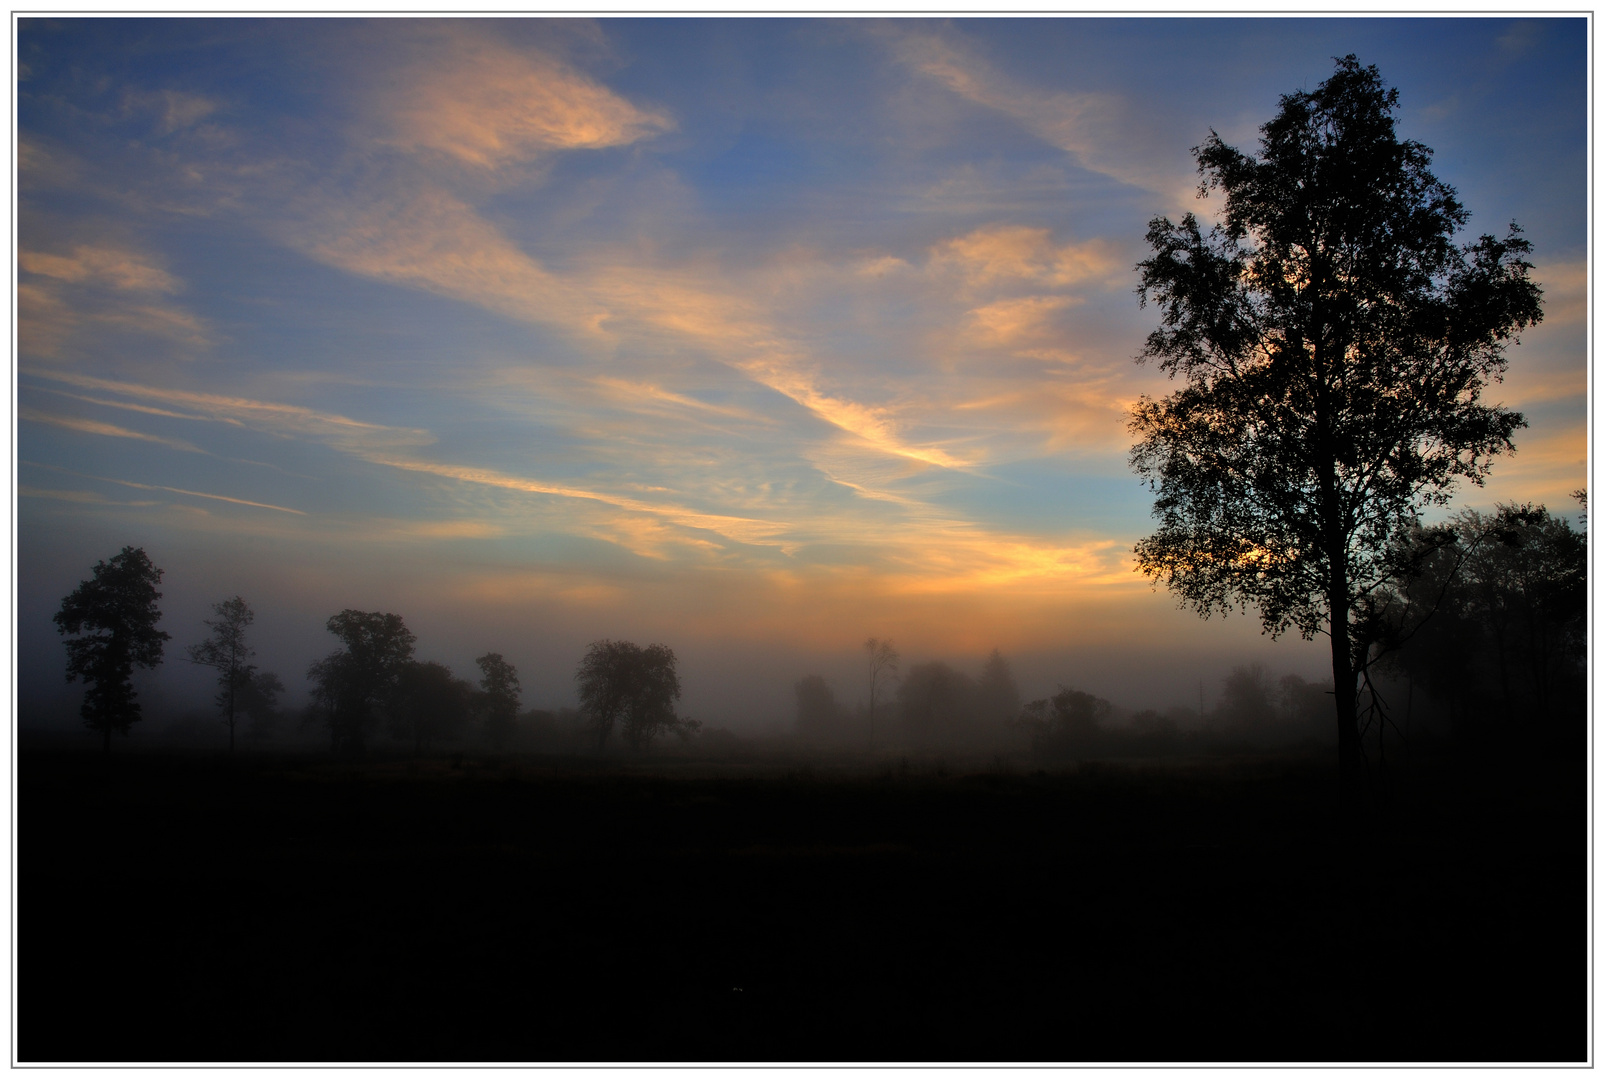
(184, 906)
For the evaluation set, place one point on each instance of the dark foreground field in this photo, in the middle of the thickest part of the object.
(183, 908)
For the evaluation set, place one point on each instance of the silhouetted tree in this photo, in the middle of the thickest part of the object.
(429, 703)
(937, 703)
(498, 698)
(1489, 615)
(351, 686)
(620, 682)
(228, 652)
(114, 615)
(1069, 722)
(997, 695)
(818, 714)
(257, 697)
(1305, 707)
(1247, 700)
(1335, 344)
(882, 659)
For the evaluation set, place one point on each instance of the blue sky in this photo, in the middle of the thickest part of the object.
(755, 337)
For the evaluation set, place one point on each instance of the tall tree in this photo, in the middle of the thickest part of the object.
(430, 703)
(1335, 342)
(619, 681)
(352, 685)
(228, 652)
(114, 616)
(499, 690)
(882, 660)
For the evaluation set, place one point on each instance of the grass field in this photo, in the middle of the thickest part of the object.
(186, 907)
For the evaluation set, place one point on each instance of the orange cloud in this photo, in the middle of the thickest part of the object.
(489, 105)
(433, 241)
(114, 267)
(997, 253)
(96, 427)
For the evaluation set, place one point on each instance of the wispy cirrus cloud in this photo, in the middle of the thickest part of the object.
(118, 268)
(429, 239)
(483, 103)
(1099, 128)
(99, 288)
(184, 491)
(99, 427)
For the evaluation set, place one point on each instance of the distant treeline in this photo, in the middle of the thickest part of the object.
(937, 706)
(1482, 633)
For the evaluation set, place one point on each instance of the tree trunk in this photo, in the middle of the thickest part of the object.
(1351, 763)
(105, 745)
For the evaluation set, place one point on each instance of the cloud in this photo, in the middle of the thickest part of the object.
(91, 497)
(1099, 129)
(114, 267)
(1565, 288)
(1006, 322)
(489, 105)
(341, 432)
(175, 109)
(101, 287)
(743, 530)
(1002, 253)
(196, 494)
(96, 427)
(430, 240)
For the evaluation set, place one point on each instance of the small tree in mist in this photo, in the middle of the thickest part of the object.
(937, 703)
(883, 660)
(1069, 722)
(1247, 700)
(996, 694)
(228, 652)
(257, 699)
(352, 686)
(498, 698)
(818, 714)
(114, 616)
(620, 683)
(429, 704)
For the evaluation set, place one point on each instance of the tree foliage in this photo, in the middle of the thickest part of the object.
(113, 618)
(1488, 614)
(883, 660)
(352, 686)
(620, 683)
(229, 653)
(937, 703)
(430, 704)
(497, 701)
(1335, 343)
(1068, 722)
(819, 715)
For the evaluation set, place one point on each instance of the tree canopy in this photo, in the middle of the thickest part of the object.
(229, 653)
(619, 681)
(113, 616)
(498, 697)
(352, 685)
(1335, 343)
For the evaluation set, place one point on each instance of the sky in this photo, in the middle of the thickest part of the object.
(755, 337)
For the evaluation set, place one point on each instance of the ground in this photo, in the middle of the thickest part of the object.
(187, 907)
